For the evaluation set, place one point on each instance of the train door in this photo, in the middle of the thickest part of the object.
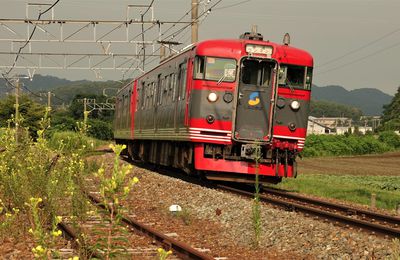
(255, 91)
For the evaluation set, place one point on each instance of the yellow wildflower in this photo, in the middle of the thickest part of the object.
(56, 233)
(58, 219)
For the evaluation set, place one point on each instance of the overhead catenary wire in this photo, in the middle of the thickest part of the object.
(232, 5)
(174, 34)
(360, 59)
(360, 48)
(161, 35)
(30, 37)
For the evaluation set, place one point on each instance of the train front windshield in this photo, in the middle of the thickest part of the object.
(215, 69)
(292, 76)
(256, 72)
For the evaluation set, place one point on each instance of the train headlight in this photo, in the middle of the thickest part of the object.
(292, 126)
(295, 105)
(212, 97)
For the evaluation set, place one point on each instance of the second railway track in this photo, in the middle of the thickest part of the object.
(352, 216)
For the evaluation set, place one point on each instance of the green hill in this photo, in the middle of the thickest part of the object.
(369, 100)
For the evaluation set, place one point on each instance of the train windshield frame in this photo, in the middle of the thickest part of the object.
(215, 69)
(256, 72)
(295, 77)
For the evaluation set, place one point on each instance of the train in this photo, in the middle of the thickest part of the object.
(224, 109)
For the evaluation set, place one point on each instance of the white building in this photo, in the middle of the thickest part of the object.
(316, 128)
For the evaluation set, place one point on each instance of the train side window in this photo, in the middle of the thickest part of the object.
(182, 80)
(159, 87)
(174, 87)
(199, 67)
(308, 80)
(138, 90)
(166, 85)
(142, 96)
(154, 95)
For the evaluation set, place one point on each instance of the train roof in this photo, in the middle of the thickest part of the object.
(282, 53)
(236, 48)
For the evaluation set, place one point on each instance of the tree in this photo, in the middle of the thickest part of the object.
(391, 113)
(31, 112)
(322, 108)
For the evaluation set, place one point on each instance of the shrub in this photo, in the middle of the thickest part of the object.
(100, 129)
(72, 141)
(390, 138)
(338, 145)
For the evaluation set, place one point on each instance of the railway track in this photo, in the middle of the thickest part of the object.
(181, 249)
(350, 216)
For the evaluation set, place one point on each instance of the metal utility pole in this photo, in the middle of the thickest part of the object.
(48, 94)
(195, 23)
(17, 87)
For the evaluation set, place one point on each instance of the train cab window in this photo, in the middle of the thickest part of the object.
(292, 76)
(220, 69)
(256, 72)
(217, 69)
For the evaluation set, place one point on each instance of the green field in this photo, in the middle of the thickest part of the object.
(348, 188)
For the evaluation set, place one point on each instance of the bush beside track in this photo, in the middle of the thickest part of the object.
(341, 145)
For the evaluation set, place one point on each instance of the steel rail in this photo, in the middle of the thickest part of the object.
(344, 208)
(71, 235)
(381, 229)
(182, 249)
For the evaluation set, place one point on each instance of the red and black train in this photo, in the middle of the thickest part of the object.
(211, 108)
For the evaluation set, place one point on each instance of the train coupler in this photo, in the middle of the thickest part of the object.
(251, 151)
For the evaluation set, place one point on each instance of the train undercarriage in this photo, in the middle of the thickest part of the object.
(235, 163)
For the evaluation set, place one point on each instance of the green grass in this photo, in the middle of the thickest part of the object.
(349, 188)
(71, 141)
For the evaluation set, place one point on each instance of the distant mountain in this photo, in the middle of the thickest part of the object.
(64, 90)
(65, 94)
(39, 83)
(369, 100)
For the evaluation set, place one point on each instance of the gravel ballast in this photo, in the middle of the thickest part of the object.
(285, 234)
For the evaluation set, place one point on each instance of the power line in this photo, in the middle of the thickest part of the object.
(174, 34)
(360, 48)
(360, 59)
(30, 37)
(144, 31)
(232, 5)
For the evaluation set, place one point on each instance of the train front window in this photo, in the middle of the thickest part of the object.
(293, 77)
(216, 69)
(256, 72)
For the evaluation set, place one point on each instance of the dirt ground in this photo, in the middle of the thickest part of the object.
(378, 164)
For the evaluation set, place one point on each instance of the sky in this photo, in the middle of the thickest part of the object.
(355, 43)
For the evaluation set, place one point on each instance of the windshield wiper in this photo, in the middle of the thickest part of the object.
(221, 79)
